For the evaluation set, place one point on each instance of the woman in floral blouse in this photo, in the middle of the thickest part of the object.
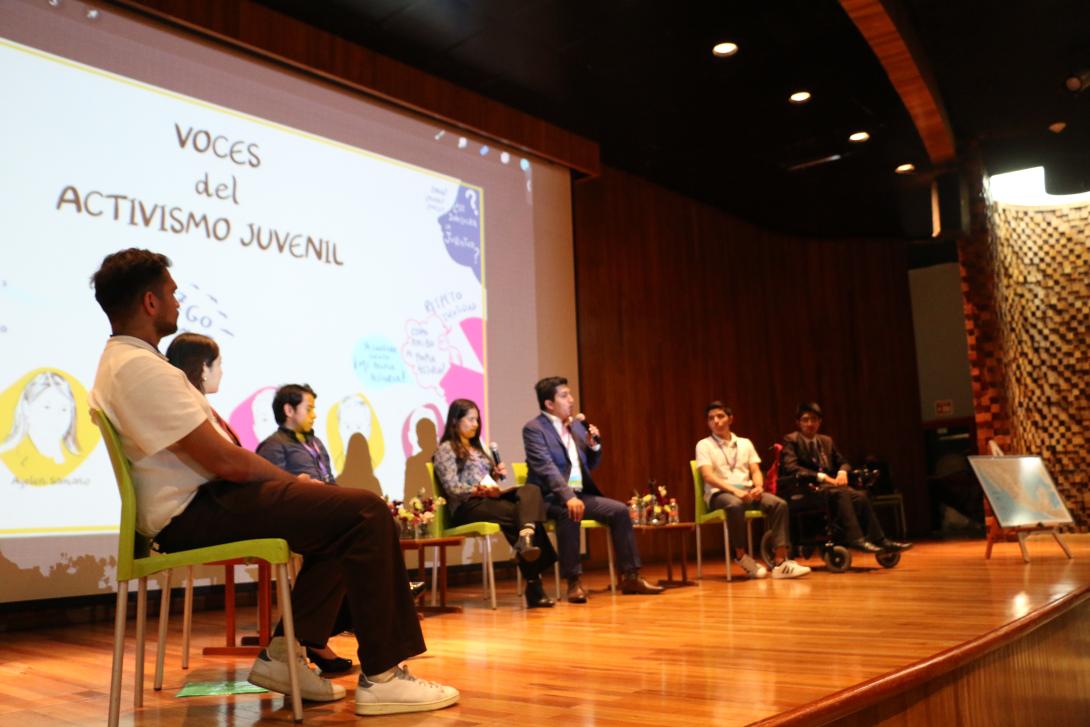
(469, 476)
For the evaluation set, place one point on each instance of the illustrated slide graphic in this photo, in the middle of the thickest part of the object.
(308, 260)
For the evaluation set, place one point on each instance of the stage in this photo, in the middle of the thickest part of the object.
(717, 653)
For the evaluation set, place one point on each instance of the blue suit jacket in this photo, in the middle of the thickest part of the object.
(547, 458)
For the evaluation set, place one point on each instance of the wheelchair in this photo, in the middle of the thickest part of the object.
(813, 525)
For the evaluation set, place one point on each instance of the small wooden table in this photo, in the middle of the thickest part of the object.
(682, 530)
(250, 645)
(418, 544)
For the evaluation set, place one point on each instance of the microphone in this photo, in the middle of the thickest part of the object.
(581, 417)
(495, 449)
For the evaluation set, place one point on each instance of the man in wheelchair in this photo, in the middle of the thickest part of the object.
(810, 462)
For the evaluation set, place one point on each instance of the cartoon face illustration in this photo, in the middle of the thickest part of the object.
(46, 413)
(45, 427)
(354, 416)
(261, 408)
(350, 415)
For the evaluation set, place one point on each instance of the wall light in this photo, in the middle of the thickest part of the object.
(799, 97)
(907, 168)
(859, 137)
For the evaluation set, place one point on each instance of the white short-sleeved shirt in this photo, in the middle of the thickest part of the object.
(730, 459)
(152, 405)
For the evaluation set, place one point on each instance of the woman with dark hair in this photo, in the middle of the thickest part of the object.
(468, 477)
(199, 357)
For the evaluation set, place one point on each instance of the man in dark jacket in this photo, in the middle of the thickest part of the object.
(813, 459)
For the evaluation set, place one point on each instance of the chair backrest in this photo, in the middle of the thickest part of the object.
(130, 544)
(442, 514)
(520, 471)
(701, 507)
(773, 472)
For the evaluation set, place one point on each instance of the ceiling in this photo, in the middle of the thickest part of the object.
(638, 77)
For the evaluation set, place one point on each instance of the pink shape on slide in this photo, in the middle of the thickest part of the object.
(462, 383)
(473, 328)
(242, 420)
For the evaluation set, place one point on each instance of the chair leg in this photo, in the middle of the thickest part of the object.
(187, 615)
(609, 554)
(699, 556)
(434, 575)
(518, 581)
(491, 574)
(164, 618)
(726, 549)
(284, 597)
(556, 568)
(749, 539)
(141, 623)
(119, 653)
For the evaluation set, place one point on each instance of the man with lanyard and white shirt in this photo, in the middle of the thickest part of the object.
(560, 453)
(733, 482)
(197, 488)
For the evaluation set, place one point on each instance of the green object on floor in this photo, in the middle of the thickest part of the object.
(207, 689)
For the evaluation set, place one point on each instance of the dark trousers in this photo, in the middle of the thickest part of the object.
(510, 511)
(774, 509)
(350, 548)
(852, 512)
(612, 513)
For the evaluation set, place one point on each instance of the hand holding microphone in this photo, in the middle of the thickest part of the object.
(501, 471)
(594, 438)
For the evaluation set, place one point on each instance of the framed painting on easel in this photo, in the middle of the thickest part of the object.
(1022, 496)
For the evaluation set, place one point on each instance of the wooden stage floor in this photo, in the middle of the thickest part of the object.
(719, 653)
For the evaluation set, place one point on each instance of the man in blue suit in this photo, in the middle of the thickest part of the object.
(561, 451)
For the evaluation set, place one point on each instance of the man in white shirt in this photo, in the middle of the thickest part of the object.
(195, 488)
(733, 482)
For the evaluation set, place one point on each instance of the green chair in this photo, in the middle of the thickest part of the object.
(482, 530)
(703, 517)
(135, 560)
(520, 471)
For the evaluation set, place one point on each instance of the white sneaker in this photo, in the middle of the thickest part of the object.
(270, 670)
(403, 693)
(789, 569)
(752, 568)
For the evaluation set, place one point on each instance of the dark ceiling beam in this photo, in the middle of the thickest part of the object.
(892, 42)
(256, 29)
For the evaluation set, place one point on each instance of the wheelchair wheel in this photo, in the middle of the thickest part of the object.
(768, 551)
(838, 558)
(888, 559)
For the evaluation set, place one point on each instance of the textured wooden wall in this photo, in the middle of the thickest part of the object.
(680, 303)
(1042, 259)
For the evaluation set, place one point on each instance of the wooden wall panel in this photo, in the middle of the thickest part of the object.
(680, 303)
(250, 26)
(1043, 295)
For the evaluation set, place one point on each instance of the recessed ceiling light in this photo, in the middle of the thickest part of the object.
(1057, 127)
(799, 97)
(905, 168)
(859, 136)
(724, 49)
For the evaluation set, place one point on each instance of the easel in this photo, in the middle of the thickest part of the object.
(999, 534)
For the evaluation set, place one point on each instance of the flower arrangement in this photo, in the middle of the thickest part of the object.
(655, 507)
(415, 516)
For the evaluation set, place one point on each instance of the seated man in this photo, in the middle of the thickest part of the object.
(733, 482)
(813, 459)
(560, 453)
(196, 488)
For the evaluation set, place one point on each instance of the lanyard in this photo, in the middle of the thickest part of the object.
(316, 454)
(731, 463)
